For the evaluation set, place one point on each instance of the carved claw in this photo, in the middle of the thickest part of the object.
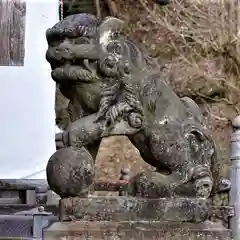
(201, 177)
(200, 172)
(58, 141)
(61, 140)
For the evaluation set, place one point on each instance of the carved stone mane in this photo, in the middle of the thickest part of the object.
(129, 60)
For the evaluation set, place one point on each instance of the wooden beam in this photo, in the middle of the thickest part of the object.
(12, 32)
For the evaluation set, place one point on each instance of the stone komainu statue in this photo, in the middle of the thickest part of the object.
(114, 88)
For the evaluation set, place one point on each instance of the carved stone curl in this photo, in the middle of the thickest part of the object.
(115, 88)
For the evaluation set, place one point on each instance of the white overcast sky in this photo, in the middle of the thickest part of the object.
(27, 96)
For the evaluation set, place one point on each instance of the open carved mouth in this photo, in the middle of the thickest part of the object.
(74, 72)
(90, 65)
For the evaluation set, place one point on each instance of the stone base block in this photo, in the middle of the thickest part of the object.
(155, 230)
(140, 209)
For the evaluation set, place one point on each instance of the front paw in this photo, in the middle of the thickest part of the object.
(62, 140)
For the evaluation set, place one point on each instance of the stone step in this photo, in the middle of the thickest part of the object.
(154, 230)
(139, 209)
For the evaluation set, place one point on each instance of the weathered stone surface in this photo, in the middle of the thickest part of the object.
(70, 172)
(115, 88)
(139, 209)
(155, 230)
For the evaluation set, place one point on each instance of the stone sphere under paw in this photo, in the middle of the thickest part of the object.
(70, 172)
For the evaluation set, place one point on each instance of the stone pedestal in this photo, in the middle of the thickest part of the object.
(113, 218)
(81, 230)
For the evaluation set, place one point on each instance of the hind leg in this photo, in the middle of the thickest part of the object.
(151, 185)
(154, 184)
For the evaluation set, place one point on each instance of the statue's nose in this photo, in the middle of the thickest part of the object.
(56, 54)
(62, 50)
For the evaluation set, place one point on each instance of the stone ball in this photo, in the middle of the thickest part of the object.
(70, 172)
